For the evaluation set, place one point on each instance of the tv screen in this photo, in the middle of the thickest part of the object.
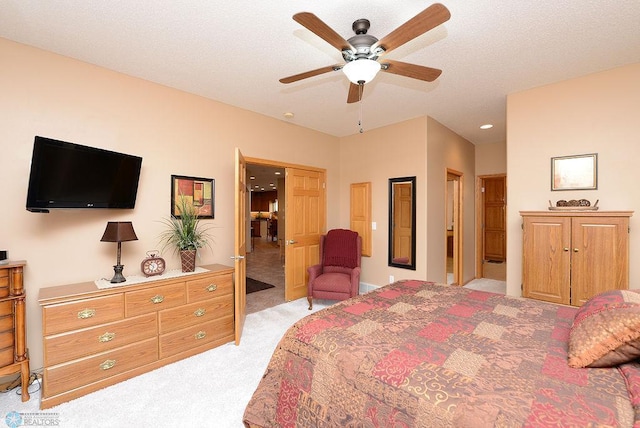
(68, 175)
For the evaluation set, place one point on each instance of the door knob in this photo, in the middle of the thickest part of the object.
(291, 242)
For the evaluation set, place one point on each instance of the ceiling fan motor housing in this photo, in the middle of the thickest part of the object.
(362, 42)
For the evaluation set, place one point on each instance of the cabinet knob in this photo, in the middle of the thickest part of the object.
(200, 312)
(107, 337)
(200, 335)
(212, 287)
(157, 299)
(86, 313)
(575, 250)
(566, 249)
(107, 364)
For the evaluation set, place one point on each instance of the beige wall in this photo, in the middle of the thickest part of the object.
(366, 157)
(447, 149)
(174, 132)
(491, 158)
(597, 113)
(424, 148)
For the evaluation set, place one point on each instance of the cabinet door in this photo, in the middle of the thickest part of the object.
(600, 256)
(546, 261)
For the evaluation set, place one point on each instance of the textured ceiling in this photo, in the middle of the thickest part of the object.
(235, 52)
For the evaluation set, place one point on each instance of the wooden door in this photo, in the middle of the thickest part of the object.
(305, 207)
(495, 243)
(240, 247)
(599, 256)
(546, 261)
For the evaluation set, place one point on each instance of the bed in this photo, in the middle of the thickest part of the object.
(421, 354)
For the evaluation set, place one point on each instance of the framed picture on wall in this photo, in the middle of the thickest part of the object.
(197, 190)
(577, 172)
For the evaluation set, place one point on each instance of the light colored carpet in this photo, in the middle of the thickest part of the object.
(485, 284)
(207, 390)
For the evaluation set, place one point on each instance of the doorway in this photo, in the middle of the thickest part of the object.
(491, 254)
(454, 227)
(301, 215)
(265, 219)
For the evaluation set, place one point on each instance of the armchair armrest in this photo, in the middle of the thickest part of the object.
(314, 271)
(355, 281)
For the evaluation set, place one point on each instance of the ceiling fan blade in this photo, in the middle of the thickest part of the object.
(311, 73)
(322, 30)
(420, 72)
(429, 18)
(355, 93)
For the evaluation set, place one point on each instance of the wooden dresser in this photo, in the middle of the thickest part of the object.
(95, 337)
(13, 342)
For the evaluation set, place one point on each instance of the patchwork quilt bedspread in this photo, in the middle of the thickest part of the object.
(420, 354)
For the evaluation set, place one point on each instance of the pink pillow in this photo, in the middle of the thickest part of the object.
(606, 330)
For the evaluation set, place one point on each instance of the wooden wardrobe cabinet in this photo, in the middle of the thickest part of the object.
(97, 337)
(570, 256)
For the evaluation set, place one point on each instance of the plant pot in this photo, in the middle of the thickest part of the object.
(188, 258)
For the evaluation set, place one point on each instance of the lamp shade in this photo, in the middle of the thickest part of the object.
(119, 231)
(361, 70)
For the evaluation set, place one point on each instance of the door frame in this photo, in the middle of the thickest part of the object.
(289, 213)
(480, 219)
(458, 229)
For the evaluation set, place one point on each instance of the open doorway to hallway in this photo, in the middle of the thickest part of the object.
(265, 251)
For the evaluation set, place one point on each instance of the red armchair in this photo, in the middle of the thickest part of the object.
(337, 276)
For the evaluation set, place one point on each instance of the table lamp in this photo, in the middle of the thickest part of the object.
(119, 231)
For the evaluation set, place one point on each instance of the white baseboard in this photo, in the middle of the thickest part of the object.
(365, 288)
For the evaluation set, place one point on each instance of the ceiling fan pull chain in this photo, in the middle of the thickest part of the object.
(360, 86)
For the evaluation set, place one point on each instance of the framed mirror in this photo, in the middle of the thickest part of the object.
(402, 222)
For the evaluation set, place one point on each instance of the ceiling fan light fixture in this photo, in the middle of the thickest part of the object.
(361, 70)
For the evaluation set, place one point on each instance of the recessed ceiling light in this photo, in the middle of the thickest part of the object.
(288, 115)
(486, 126)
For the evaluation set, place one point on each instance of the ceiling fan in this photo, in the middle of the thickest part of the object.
(362, 51)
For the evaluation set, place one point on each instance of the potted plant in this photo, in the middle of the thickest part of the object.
(185, 233)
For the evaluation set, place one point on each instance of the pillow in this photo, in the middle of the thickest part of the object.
(606, 330)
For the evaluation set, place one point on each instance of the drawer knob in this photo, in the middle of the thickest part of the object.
(107, 364)
(157, 299)
(107, 337)
(211, 288)
(200, 312)
(200, 335)
(86, 313)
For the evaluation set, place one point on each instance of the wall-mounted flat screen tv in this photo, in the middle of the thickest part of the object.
(68, 175)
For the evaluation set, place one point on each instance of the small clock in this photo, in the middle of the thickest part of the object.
(153, 264)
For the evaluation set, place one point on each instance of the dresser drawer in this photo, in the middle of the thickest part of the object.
(213, 286)
(67, 376)
(69, 346)
(154, 299)
(191, 337)
(80, 314)
(195, 313)
(6, 308)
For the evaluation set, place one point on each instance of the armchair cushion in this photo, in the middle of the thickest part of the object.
(340, 248)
